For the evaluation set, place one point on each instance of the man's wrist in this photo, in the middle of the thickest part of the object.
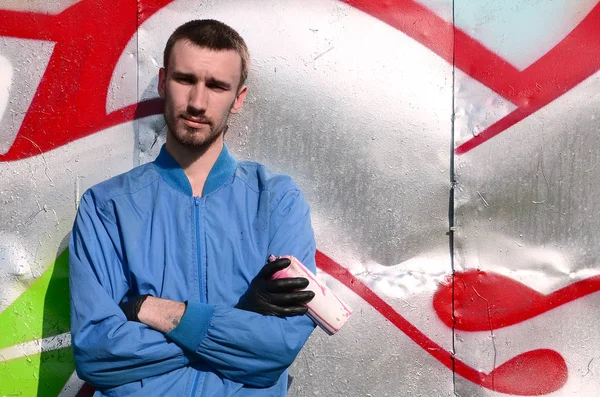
(132, 307)
(161, 314)
(143, 312)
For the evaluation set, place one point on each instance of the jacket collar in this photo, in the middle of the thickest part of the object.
(173, 174)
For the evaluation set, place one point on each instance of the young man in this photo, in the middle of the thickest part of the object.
(170, 294)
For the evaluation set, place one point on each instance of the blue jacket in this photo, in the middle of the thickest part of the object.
(143, 232)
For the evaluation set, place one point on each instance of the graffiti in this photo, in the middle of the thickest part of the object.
(84, 75)
(481, 302)
(533, 373)
(531, 89)
(76, 83)
(35, 339)
(78, 74)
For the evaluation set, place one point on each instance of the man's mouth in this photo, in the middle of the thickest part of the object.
(195, 123)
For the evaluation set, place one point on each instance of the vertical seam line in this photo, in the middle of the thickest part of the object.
(451, 213)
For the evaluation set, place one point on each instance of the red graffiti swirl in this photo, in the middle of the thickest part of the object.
(570, 62)
(484, 301)
(533, 373)
(70, 101)
(78, 75)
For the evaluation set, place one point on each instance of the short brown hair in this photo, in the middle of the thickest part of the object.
(211, 34)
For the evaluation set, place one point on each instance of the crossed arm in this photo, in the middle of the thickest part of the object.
(282, 297)
(110, 350)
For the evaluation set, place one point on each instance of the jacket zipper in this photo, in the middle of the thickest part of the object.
(200, 278)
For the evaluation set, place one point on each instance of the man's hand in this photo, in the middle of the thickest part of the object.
(280, 297)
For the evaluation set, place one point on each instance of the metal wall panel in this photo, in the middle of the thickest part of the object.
(59, 59)
(470, 273)
(526, 252)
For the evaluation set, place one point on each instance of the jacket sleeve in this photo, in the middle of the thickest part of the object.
(247, 347)
(109, 350)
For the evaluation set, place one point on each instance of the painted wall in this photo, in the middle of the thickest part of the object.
(448, 148)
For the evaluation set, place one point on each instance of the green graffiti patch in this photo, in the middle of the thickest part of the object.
(37, 375)
(40, 312)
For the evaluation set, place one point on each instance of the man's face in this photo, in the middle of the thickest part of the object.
(200, 89)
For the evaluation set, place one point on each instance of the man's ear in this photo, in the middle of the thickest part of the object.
(239, 100)
(162, 77)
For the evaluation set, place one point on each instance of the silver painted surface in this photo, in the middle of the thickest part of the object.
(520, 31)
(39, 196)
(42, 6)
(570, 330)
(122, 90)
(367, 357)
(476, 107)
(22, 64)
(36, 347)
(539, 182)
(539, 226)
(360, 115)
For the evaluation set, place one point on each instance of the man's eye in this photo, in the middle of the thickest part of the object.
(184, 80)
(216, 87)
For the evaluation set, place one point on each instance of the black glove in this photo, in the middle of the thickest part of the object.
(280, 297)
(132, 307)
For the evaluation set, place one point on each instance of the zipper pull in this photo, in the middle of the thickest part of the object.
(197, 201)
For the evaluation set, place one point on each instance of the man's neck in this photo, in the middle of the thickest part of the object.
(196, 164)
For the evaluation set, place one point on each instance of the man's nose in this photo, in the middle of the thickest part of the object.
(198, 98)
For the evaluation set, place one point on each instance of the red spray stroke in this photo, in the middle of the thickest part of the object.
(78, 75)
(484, 301)
(570, 62)
(533, 373)
(573, 60)
(70, 102)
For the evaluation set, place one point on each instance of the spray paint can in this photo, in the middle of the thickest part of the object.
(326, 309)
